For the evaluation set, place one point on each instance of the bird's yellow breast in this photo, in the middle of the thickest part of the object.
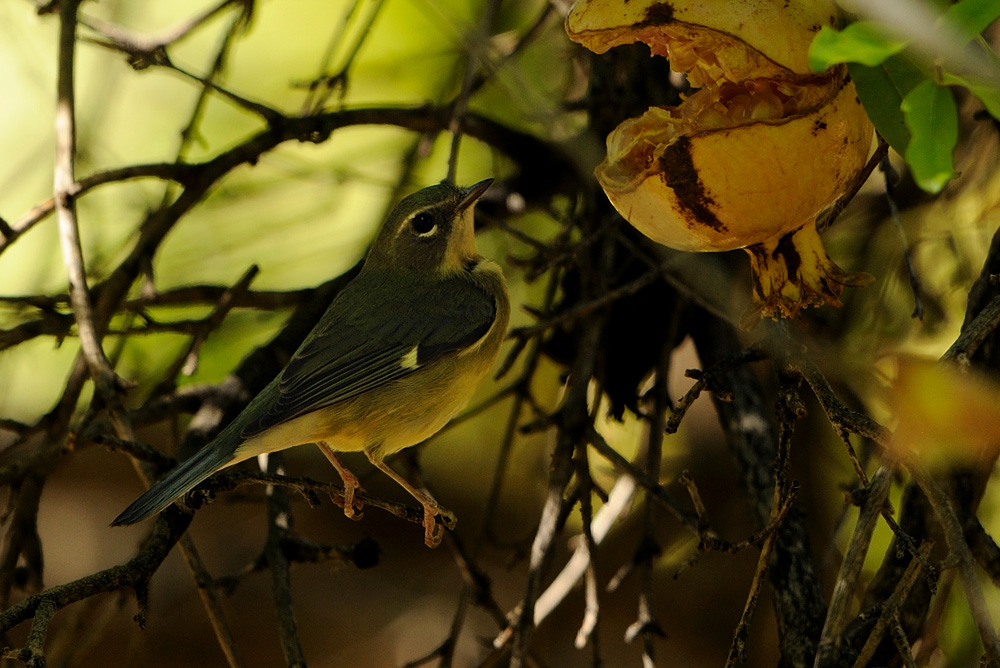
(405, 411)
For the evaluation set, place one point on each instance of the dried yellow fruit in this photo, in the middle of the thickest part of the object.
(754, 155)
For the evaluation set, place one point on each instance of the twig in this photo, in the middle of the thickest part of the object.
(898, 634)
(574, 422)
(831, 214)
(6, 230)
(211, 603)
(737, 649)
(476, 580)
(22, 544)
(960, 550)
(618, 500)
(541, 552)
(797, 596)
(279, 523)
(660, 493)
(984, 548)
(211, 294)
(311, 490)
(208, 596)
(272, 116)
(189, 133)
(137, 450)
(789, 409)
(135, 573)
(534, 155)
(891, 178)
(646, 625)
(338, 79)
(13, 426)
(974, 333)
(474, 46)
(38, 213)
(188, 362)
(69, 234)
(39, 629)
(708, 379)
(843, 416)
(587, 308)
(850, 568)
(299, 550)
(890, 609)
(92, 618)
(136, 46)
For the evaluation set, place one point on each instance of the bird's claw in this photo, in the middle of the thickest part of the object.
(434, 530)
(350, 487)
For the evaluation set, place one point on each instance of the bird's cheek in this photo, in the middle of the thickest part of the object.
(461, 244)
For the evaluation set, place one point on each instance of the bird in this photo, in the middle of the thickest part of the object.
(399, 351)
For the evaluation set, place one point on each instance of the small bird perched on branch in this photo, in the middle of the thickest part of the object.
(399, 351)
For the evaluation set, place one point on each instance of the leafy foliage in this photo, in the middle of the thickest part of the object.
(905, 94)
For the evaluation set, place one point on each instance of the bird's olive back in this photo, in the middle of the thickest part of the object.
(416, 234)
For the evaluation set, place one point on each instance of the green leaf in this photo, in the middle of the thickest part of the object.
(881, 90)
(932, 119)
(864, 42)
(971, 17)
(987, 92)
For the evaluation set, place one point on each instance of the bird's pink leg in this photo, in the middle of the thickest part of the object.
(433, 532)
(351, 482)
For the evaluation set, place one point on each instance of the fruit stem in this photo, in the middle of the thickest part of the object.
(793, 271)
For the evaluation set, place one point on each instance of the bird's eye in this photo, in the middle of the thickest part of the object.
(423, 223)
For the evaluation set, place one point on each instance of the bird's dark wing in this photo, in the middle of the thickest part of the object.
(362, 343)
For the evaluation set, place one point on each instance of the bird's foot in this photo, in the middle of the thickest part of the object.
(351, 485)
(433, 530)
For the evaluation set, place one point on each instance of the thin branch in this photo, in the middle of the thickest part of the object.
(188, 362)
(618, 501)
(90, 623)
(646, 625)
(210, 601)
(959, 548)
(475, 52)
(789, 408)
(974, 333)
(143, 51)
(657, 491)
(521, 396)
(69, 234)
(337, 81)
(279, 523)
(898, 634)
(891, 178)
(850, 568)
(6, 230)
(574, 422)
(831, 214)
(39, 630)
(134, 573)
(169, 171)
(190, 133)
(890, 609)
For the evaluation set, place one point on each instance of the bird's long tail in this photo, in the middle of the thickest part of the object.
(182, 479)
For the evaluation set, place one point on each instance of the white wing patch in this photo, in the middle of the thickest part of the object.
(409, 359)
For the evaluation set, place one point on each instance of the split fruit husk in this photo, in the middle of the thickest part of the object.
(754, 155)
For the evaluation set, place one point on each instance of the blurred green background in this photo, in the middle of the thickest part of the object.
(305, 213)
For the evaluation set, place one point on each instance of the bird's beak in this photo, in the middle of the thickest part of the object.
(473, 193)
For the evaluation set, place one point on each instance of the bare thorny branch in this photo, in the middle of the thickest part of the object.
(811, 631)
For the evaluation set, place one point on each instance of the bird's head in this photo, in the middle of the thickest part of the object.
(429, 231)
